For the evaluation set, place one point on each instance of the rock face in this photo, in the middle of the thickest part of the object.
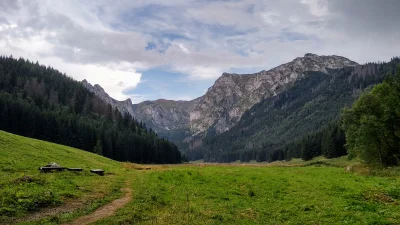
(165, 114)
(168, 118)
(226, 101)
(232, 94)
(122, 106)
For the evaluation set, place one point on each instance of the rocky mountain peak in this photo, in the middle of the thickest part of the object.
(128, 101)
(226, 101)
(225, 79)
(122, 106)
(98, 87)
(162, 115)
(310, 55)
(232, 94)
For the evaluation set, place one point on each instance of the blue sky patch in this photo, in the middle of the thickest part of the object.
(161, 83)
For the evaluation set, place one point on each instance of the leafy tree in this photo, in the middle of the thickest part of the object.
(372, 124)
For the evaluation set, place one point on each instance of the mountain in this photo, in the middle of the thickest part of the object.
(168, 118)
(232, 94)
(312, 103)
(268, 115)
(122, 106)
(225, 102)
(40, 102)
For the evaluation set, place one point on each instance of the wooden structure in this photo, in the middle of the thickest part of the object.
(143, 168)
(45, 169)
(98, 171)
(75, 169)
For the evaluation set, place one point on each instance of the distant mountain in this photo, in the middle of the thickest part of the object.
(122, 106)
(232, 94)
(168, 118)
(224, 103)
(310, 104)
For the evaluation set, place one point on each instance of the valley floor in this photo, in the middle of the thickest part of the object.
(254, 194)
(212, 194)
(316, 192)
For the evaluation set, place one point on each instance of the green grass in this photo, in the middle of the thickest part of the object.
(260, 195)
(319, 191)
(24, 190)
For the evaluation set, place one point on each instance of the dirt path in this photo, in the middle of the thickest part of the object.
(105, 211)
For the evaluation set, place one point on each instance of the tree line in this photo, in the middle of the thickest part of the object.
(40, 102)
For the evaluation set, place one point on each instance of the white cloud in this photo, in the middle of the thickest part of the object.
(271, 18)
(114, 78)
(198, 72)
(201, 72)
(183, 48)
(4, 27)
(317, 7)
(105, 41)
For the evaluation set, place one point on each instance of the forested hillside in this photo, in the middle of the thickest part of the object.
(302, 121)
(40, 102)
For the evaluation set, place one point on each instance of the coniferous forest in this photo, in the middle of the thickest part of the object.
(40, 102)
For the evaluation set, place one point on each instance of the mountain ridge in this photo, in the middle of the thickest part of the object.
(249, 89)
(280, 123)
(224, 102)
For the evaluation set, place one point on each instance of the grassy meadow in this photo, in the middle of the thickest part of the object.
(260, 195)
(320, 191)
(24, 190)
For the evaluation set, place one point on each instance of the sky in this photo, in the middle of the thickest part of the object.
(176, 49)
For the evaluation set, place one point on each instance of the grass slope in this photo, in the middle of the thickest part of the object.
(297, 192)
(24, 190)
(234, 194)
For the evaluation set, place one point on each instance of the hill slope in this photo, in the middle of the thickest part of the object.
(25, 190)
(20, 154)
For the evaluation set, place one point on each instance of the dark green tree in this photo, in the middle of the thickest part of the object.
(371, 125)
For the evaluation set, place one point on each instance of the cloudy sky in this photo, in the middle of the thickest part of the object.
(176, 49)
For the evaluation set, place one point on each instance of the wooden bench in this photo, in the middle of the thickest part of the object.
(75, 169)
(98, 171)
(143, 168)
(45, 169)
